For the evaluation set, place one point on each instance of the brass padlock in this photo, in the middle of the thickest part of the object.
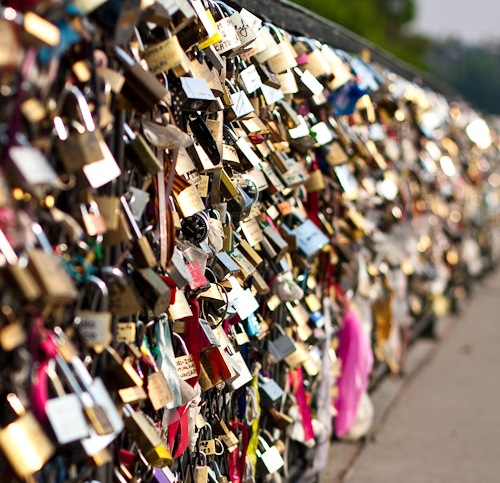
(151, 445)
(141, 249)
(22, 439)
(141, 88)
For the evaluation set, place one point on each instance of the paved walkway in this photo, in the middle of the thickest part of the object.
(444, 426)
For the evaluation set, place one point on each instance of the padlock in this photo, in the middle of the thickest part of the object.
(284, 59)
(225, 434)
(278, 243)
(186, 368)
(159, 392)
(64, 412)
(219, 477)
(148, 440)
(94, 323)
(310, 239)
(120, 372)
(241, 105)
(141, 88)
(118, 20)
(269, 458)
(209, 35)
(92, 219)
(282, 346)
(270, 392)
(141, 249)
(239, 333)
(20, 276)
(98, 407)
(167, 55)
(85, 150)
(27, 168)
(154, 291)
(200, 471)
(50, 274)
(245, 32)
(246, 267)
(139, 151)
(123, 299)
(245, 376)
(230, 40)
(205, 138)
(163, 134)
(224, 266)
(191, 94)
(316, 63)
(270, 46)
(23, 441)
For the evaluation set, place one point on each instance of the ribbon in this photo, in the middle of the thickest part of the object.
(237, 458)
(297, 382)
(165, 359)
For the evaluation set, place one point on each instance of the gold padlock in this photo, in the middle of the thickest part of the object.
(23, 441)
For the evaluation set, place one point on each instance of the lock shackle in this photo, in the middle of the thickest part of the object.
(216, 468)
(215, 8)
(313, 44)
(265, 445)
(102, 293)
(224, 6)
(275, 31)
(230, 86)
(83, 110)
(183, 344)
(229, 131)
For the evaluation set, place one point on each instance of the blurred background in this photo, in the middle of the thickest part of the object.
(455, 40)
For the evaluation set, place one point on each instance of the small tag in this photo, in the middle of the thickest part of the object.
(133, 394)
(158, 390)
(95, 327)
(185, 367)
(203, 185)
(230, 154)
(207, 446)
(126, 332)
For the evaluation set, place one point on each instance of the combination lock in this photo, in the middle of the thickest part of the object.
(195, 228)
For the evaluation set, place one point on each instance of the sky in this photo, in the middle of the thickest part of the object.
(470, 20)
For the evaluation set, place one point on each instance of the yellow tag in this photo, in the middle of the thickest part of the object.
(214, 38)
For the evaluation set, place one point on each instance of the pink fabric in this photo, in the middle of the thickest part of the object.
(305, 410)
(356, 357)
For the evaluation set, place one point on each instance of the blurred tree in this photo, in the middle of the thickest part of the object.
(473, 70)
(382, 22)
